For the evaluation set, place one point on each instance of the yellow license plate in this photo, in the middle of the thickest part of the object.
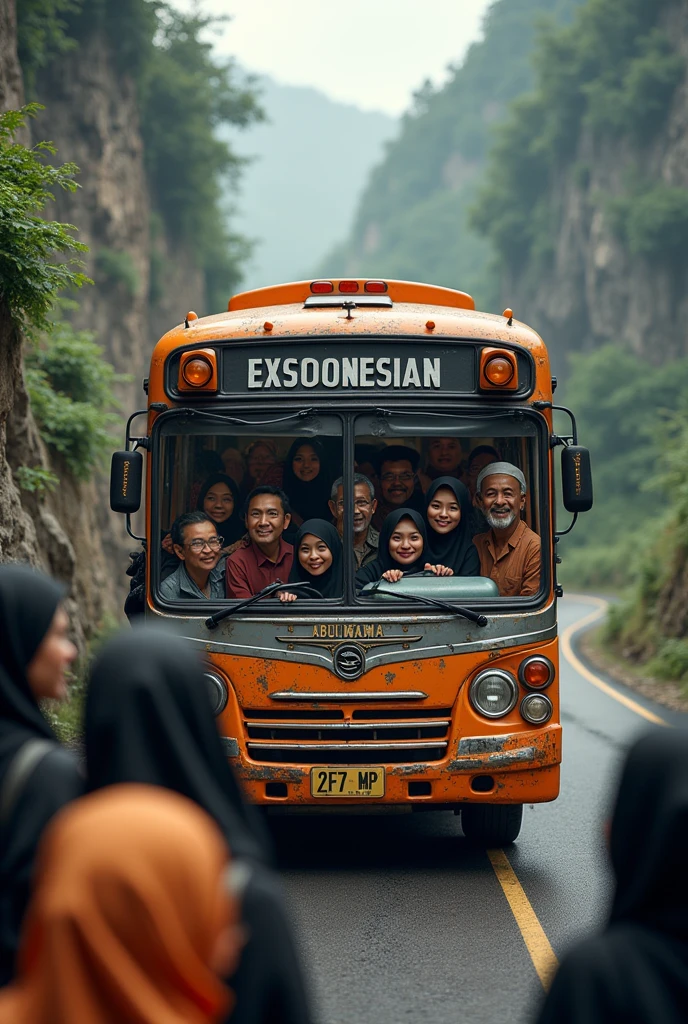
(351, 782)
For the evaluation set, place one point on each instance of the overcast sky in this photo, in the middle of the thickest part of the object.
(373, 53)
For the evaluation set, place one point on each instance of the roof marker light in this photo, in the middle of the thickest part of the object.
(321, 287)
(376, 287)
(348, 287)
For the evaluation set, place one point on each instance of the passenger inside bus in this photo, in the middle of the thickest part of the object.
(399, 486)
(366, 537)
(444, 458)
(306, 481)
(448, 517)
(317, 561)
(507, 547)
(219, 499)
(403, 549)
(510, 552)
(268, 556)
(198, 547)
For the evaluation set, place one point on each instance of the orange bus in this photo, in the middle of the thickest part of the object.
(430, 692)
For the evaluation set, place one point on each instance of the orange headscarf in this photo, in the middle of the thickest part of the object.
(126, 913)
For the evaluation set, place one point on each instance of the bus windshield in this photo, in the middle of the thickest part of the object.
(398, 503)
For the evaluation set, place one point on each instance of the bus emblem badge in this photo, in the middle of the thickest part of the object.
(349, 661)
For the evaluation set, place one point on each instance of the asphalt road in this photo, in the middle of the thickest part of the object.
(401, 921)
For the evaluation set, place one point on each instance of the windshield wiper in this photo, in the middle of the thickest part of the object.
(212, 622)
(455, 609)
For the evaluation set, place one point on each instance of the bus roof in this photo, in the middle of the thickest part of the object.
(351, 288)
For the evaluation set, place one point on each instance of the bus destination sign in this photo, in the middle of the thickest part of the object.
(420, 369)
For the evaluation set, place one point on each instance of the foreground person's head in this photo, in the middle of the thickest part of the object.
(35, 652)
(649, 834)
(149, 719)
(132, 918)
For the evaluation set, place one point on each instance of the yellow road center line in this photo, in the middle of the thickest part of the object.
(577, 664)
(537, 943)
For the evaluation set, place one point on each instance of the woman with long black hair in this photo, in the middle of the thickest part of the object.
(219, 499)
(403, 549)
(448, 515)
(149, 720)
(37, 775)
(306, 481)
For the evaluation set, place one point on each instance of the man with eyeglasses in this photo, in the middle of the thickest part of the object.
(366, 537)
(396, 470)
(198, 546)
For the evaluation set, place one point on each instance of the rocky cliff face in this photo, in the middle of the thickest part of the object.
(64, 531)
(594, 288)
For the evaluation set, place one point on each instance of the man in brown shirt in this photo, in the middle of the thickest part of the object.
(267, 557)
(510, 552)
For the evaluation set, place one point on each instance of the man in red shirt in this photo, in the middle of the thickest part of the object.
(268, 557)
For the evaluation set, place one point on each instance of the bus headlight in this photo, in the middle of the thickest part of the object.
(217, 691)
(493, 693)
(536, 708)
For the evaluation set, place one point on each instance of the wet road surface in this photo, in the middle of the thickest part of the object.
(401, 921)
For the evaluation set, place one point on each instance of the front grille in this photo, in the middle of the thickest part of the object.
(325, 737)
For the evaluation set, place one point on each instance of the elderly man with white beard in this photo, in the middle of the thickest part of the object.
(510, 552)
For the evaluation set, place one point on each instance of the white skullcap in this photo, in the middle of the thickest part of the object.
(506, 468)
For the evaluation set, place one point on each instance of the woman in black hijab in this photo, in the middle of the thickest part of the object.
(403, 549)
(149, 720)
(37, 775)
(636, 970)
(448, 515)
(317, 560)
(306, 481)
(219, 499)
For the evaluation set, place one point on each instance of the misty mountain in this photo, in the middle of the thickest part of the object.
(310, 161)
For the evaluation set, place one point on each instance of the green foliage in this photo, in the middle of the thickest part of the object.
(671, 660)
(626, 415)
(118, 268)
(36, 255)
(612, 72)
(35, 479)
(413, 217)
(652, 221)
(187, 93)
(42, 33)
(70, 388)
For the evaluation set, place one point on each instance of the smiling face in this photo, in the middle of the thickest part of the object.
(397, 480)
(46, 670)
(314, 555)
(306, 464)
(219, 503)
(364, 508)
(444, 454)
(266, 520)
(444, 511)
(201, 548)
(501, 500)
(406, 542)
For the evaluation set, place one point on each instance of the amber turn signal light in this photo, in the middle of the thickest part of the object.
(498, 369)
(198, 371)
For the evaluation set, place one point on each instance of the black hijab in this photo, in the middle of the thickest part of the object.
(28, 602)
(330, 583)
(637, 969)
(233, 526)
(384, 561)
(149, 720)
(307, 497)
(456, 548)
